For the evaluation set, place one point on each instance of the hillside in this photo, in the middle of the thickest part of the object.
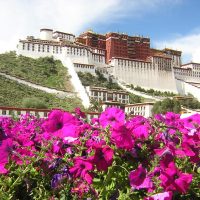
(13, 94)
(43, 71)
(99, 80)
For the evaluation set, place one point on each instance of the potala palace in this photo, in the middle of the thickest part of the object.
(128, 59)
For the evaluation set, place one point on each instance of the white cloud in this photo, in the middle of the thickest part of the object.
(19, 18)
(189, 45)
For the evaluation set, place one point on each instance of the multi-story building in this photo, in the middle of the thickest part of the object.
(117, 44)
(59, 44)
(143, 109)
(189, 72)
(175, 55)
(110, 104)
(126, 58)
(138, 47)
(92, 39)
(104, 95)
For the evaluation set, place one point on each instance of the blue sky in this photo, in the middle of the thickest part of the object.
(169, 23)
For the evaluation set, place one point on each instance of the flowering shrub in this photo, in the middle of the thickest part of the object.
(112, 157)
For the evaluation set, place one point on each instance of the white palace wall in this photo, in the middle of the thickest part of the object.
(76, 53)
(185, 88)
(144, 74)
(79, 88)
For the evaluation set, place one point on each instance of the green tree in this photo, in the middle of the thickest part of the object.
(167, 105)
(135, 98)
(95, 106)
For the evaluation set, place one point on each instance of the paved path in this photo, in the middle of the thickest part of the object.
(58, 93)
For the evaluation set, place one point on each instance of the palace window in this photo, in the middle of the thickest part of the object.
(23, 46)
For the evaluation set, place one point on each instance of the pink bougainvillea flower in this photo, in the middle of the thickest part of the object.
(69, 130)
(186, 150)
(80, 113)
(57, 119)
(62, 124)
(140, 127)
(111, 116)
(192, 121)
(173, 179)
(21, 153)
(95, 141)
(81, 169)
(6, 126)
(183, 182)
(168, 149)
(161, 196)
(103, 158)
(5, 149)
(166, 160)
(121, 136)
(2, 134)
(95, 121)
(80, 189)
(172, 119)
(139, 179)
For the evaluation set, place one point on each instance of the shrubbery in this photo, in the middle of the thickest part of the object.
(167, 105)
(190, 103)
(152, 91)
(99, 80)
(43, 71)
(33, 103)
(112, 157)
(13, 93)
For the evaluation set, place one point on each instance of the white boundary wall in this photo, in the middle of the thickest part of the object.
(185, 88)
(79, 88)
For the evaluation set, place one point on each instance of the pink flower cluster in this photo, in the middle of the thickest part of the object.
(151, 150)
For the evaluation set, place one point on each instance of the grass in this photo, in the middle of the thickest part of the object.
(88, 79)
(43, 71)
(13, 93)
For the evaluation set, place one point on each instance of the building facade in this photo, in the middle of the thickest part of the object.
(129, 59)
(117, 44)
(157, 73)
(189, 72)
(104, 95)
(143, 109)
